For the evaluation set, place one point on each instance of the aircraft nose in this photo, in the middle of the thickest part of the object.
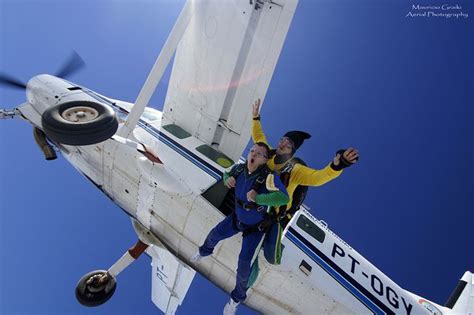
(42, 92)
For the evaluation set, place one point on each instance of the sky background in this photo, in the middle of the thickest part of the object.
(362, 74)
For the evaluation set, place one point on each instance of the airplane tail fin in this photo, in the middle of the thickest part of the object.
(461, 300)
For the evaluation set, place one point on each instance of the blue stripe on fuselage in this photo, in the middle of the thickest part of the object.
(206, 167)
(190, 156)
(350, 284)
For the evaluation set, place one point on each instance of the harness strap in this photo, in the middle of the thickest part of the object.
(259, 181)
(250, 205)
(262, 177)
(259, 227)
(236, 171)
(299, 192)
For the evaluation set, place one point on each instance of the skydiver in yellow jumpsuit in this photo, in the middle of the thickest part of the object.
(298, 174)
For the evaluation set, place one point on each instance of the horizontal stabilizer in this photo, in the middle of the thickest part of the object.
(171, 279)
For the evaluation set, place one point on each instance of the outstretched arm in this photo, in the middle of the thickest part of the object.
(311, 177)
(257, 131)
(306, 176)
(275, 199)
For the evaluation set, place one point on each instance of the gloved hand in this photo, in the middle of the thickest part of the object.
(344, 158)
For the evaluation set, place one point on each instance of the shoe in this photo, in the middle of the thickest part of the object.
(231, 307)
(196, 257)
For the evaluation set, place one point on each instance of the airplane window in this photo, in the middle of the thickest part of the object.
(151, 114)
(215, 155)
(177, 131)
(312, 229)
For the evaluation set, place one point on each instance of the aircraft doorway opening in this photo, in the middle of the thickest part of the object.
(221, 197)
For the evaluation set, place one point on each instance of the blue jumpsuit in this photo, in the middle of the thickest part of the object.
(239, 222)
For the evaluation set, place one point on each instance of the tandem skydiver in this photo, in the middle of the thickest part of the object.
(295, 175)
(256, 188)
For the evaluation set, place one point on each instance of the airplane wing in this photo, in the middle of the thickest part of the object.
(170, 279)
(224, 61)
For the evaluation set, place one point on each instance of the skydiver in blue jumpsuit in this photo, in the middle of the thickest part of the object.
(253, 193)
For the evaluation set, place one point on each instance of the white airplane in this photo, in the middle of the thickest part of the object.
(164, 169)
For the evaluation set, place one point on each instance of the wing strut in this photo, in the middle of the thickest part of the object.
(158, 69)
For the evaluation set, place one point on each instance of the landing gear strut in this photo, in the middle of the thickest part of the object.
(97, 287)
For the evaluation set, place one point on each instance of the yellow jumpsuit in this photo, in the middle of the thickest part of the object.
(300, 175)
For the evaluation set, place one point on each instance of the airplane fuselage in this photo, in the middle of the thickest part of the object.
(176, 201)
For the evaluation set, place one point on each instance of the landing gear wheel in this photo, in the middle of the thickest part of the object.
(79, 123)
(95, 288)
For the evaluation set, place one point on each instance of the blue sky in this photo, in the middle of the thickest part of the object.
(399, 89)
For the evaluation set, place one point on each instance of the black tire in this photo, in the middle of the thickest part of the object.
(95, 294)
(98, 125)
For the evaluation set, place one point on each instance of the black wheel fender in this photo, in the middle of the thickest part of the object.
(79, 123)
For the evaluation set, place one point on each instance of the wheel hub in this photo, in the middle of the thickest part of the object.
(97, 283)
(80, 114)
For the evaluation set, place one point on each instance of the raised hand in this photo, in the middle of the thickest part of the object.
(255, 108)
